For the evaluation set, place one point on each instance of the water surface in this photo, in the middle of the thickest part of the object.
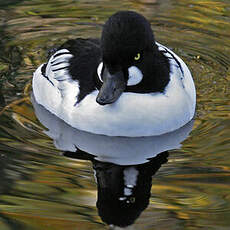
(41, 188)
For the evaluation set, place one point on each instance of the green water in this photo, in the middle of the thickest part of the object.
(42, 189)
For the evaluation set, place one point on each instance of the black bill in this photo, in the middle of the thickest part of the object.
(112, 87)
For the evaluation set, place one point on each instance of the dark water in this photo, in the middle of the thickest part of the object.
(42, 189)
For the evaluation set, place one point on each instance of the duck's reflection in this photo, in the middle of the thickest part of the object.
(123, 191)
(123, 166)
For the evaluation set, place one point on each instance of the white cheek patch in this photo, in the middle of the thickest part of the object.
(99, 71)
(135, 76)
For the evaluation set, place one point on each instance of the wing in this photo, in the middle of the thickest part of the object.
(57, 67)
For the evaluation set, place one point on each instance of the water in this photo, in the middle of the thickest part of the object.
(42, 188)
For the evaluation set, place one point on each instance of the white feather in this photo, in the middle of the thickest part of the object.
(62, 58)
(61, 65)
(99, 71)
(135, 76)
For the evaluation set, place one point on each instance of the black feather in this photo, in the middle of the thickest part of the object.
(83, 65)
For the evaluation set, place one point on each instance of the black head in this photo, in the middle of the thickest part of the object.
(127, 41)
(124, 35)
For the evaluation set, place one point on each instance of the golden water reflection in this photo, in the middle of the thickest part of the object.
(40, 189)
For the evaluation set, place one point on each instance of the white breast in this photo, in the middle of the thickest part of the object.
(132, 115)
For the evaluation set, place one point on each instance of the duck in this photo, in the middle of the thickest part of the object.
(123, 84)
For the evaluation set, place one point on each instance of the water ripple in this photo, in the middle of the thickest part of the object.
(41, 189)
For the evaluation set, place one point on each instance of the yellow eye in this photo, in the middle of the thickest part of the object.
(137, 57)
